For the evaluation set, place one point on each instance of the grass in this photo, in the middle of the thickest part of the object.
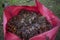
(1, 27)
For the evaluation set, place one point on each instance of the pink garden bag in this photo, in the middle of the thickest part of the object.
(11, 11)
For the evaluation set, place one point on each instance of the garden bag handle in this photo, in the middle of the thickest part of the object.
(47, 13)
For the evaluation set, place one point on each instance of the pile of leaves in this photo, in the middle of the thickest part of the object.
(28, 24)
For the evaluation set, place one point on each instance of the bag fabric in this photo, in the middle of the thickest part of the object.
(11, 11)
